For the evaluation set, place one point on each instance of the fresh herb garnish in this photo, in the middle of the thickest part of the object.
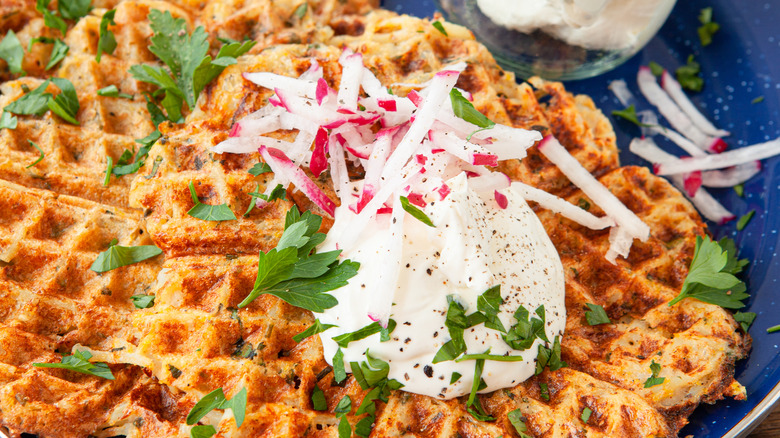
(11, 52)
(79, 362)
(711, 275)
(143, 301)
(456, 322)
(415, 212)
(745, 319)
(707, 28)
(688, 75)
(440, 27)
(339, 371)
(216, 400)
(113, 91)
(312, 330)
(343, 340)
(203, 431)
(300, 11)
(50, 19)
(488, 303)
(550, 357)
(596, 315)
(465, 110)
(455, 377)
(292, 272)
(745, 219)
(155, 165)
(58, 52)
(109, 169)
(345, 430)
(344, 405)
(190, 68)
(8, 120)
(74, 9)
(739, 189)
(318, 401)
(585, 416)
(363, 427)
(516, 420)
(106, 41)
(655, 68)
(544, 391)
(33, 103)
(252, 202)
(630, 115)
(654, 380)
(66, 104)
(40, 157)
(279, 192)
(758, 99)
(773, 329)
(117, 256)
(488, 356)
(207, 212)
(259, 169)
(473, 405)
(522, 335)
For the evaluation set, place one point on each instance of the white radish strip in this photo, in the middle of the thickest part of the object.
(620, 89)
(424, 117)
(649, 118)
(286, 169)
(555, 152)
(386, 281)
(507, 142)
(351, 75)
(708, 206)
(313, 73)
(673, 88)
(678, 139)
(620, 242)
(673, 114)
(292, 121)
(373, 167)
(562, 207)
(731, 176)
(372, 86)
(489, 182)
(466, 151)
(248, 145)
(300, 151)
(338, 169)
(255, 126)
(720, 161)
(273, 81)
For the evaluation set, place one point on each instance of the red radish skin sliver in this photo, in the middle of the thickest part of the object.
(501, 200)
(675, 91)
(319, 162)
(720, 161)
(692, 182)
(625, 218)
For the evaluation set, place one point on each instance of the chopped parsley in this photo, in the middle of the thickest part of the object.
(66, 104)
(79, 362)
(40, 157)
(259, 169)
(109, 169)
(516, 420)
(473, 405)
(117, 256)
(312, 330)
(596, 315)
(745, 319)
(550, 357)
(586, 415)
(278, 192)
(8, 120)
(252, 203)
(711, 277)
(745, 219)
(74, 9)
(11, 52)
(345, 430)
(33, 103)
(656, 68)
(58, 52)
(155, 165)
(440, 27)
(190, 68)
(207, 212)
(630, 115)
(300, 11)
(415, 212)
(773, 329)
(708, 27)
(294, 272)
(143, 301)
(343, 340)
(522, 335)
(654, 380)
(216, 400)
(344, 405)
(455, 377)
(544, 391)
(758, 99)
(465, 110)
(688, 75)
(318, 401)
(113, 91)
(50, 19)
(339, 371)
(739, 189)
(488, 356)
(203, 431)
(107, 40)
(488, 303)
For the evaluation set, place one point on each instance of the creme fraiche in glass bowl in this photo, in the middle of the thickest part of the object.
(560, 39)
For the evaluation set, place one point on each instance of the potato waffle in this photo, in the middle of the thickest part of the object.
(194, 339)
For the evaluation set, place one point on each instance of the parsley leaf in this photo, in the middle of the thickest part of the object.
(74, 9)
(278, 192)
(516, 420)
(544, 391)
(33, 103)
(473, 405)
(57, 53)
(117, 256)
(707, 28)
(300, 11)
(440, 27)
(656, 68)
(11, 52)
(343, 340)
(143, 301)
(260, 168)
(745, 319)
(216, 400)
(488, 356)
(207, 212)
(522, 335)
(252, 203)
(66, 104)
(113, 91)
(415, 212)
(318, 401)
(312, 330)
(79, 362)
(758, 99)
(8, 120)
(630, 115)
(586, 415)
(654, 380)
(688, 75)
(363, 427)
(739, 189)
(109, 168)
(344, 405)
(550, 357)
(596, 315)
(106, 41)
(711, 275)
(744, 220)
(345, 430)
(773, 329)
(455, 377)
(488, 303)
(35, 145)
(155, 165)
(49, 18)
(339, 371)
(465, 110)
(203, 431)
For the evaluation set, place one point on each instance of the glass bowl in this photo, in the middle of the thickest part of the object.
(560, 39)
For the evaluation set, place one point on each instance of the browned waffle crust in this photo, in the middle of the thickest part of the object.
(194, 339)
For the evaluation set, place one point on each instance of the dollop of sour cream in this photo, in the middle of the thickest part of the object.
(474, 245)
(592, 24)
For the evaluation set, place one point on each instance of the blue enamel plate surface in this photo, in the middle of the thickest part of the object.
(742, 64)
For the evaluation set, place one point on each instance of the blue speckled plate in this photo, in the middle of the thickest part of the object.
(741, 64)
